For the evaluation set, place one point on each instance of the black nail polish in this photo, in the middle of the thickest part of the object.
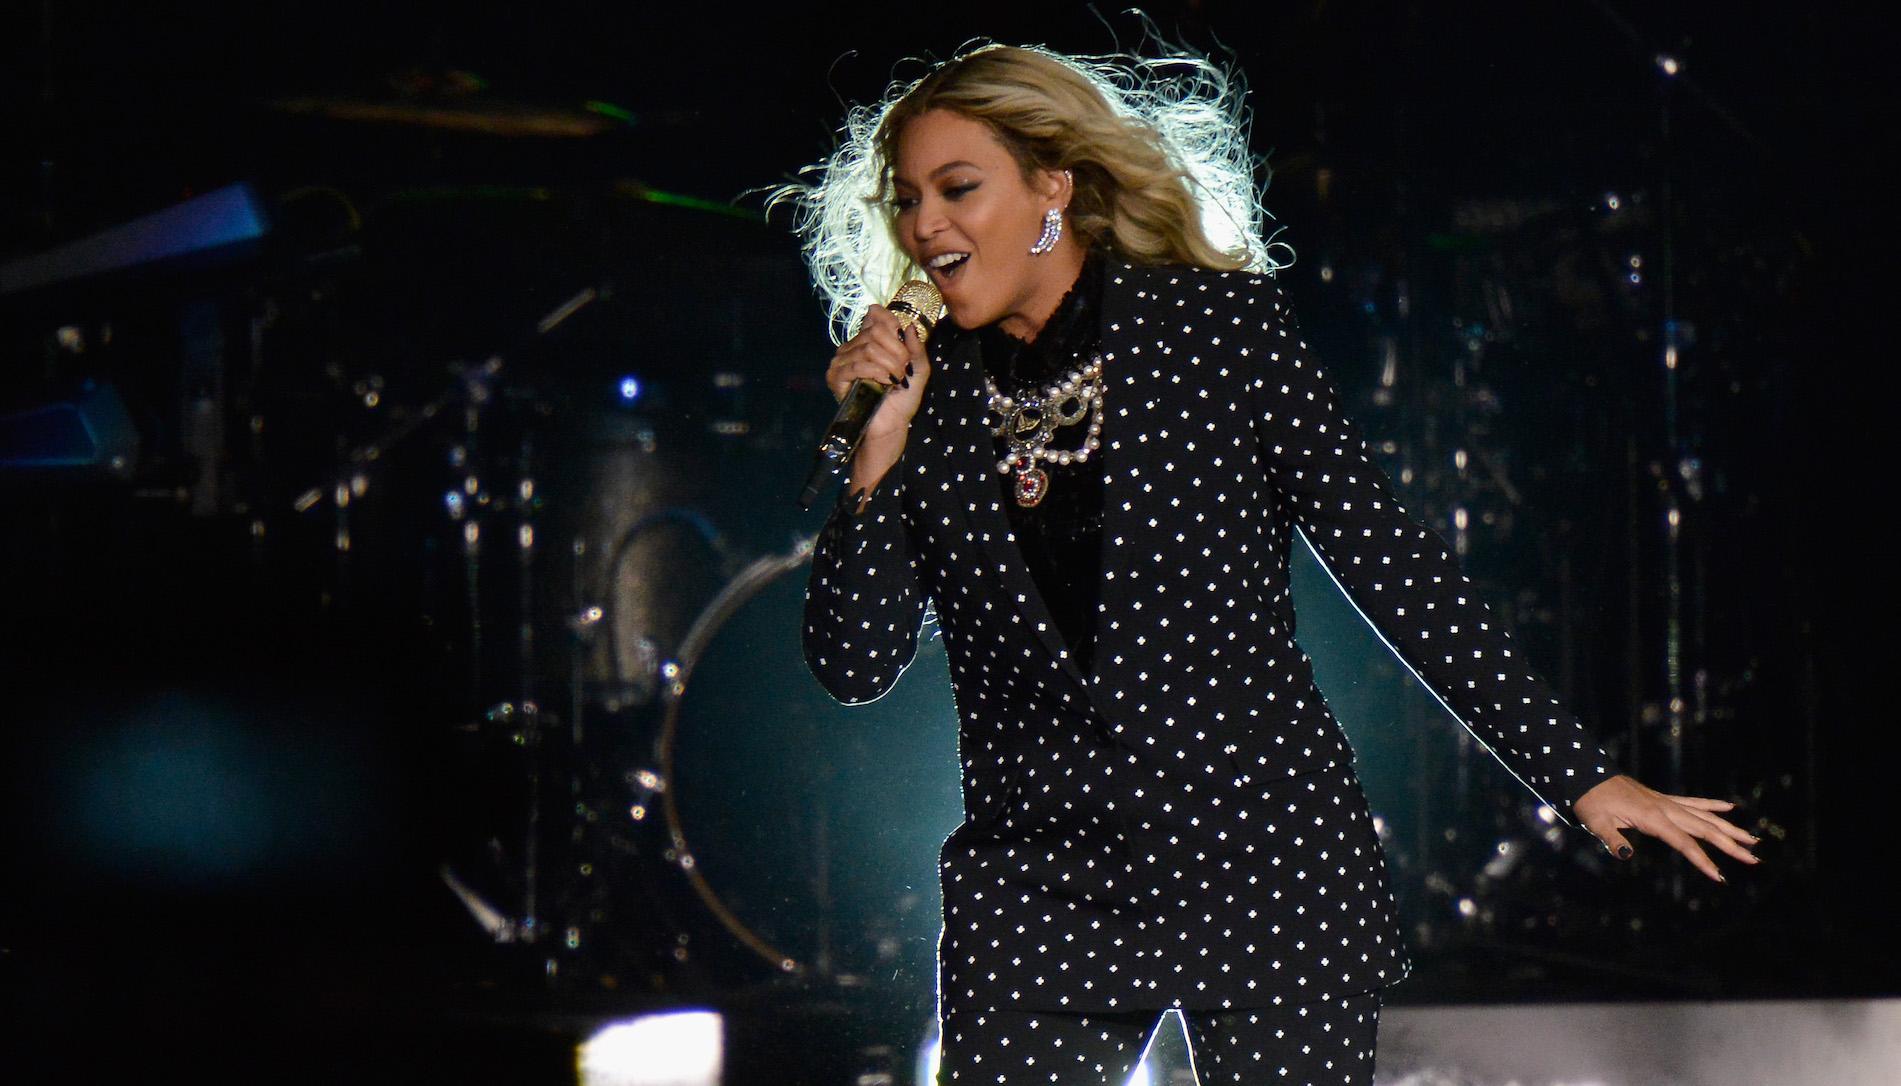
(1623, 852)
(906, 383)
(909, 371)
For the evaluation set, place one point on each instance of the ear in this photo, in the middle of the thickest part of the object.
(1056, 186)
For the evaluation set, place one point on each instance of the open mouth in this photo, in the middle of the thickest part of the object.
(945, 266)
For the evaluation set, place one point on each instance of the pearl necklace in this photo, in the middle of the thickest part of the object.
(1028, 425)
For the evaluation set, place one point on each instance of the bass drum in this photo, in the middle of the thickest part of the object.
(808, 828)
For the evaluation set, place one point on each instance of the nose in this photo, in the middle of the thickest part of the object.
(927, 220)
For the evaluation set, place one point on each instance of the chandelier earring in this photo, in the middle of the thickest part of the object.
(1052, 231)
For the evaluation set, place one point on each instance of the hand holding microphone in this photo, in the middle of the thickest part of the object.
(878, 376)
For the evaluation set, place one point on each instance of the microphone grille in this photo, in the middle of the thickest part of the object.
(918, 305)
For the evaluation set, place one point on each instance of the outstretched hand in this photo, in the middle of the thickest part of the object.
(1624, 803)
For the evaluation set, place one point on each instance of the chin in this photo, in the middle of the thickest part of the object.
(966, 316)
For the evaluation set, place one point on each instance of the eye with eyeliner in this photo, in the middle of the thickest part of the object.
(902, 203)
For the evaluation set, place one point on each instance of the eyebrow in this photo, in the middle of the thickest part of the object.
(945, 168)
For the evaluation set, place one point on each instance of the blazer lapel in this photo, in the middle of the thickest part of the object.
(972, 459)
(1125, 387)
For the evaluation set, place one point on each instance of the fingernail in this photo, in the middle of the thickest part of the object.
(1623, 852)
(906, 383)
(909, 371)
(1720, 878)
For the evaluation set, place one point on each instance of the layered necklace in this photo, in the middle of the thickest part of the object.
(1030, 419)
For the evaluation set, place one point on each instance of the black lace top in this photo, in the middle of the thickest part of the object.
(1060, 537)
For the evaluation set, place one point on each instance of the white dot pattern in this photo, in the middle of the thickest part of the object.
(1326, 1043)
(1182, 827)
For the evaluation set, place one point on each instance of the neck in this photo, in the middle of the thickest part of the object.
(1027, 321)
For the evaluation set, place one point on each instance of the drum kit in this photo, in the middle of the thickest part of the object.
(588, 516)
(613, 567)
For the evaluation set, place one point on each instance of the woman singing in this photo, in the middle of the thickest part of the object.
(1093, 476)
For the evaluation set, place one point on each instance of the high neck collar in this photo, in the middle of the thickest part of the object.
(1073, 329)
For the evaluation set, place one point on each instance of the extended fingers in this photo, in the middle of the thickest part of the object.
(1728, 828)
(1692, 825)
(1731, 839)
(1670, 834)
(1703, 804)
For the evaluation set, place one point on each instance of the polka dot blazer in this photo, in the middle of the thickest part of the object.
(1183, 826)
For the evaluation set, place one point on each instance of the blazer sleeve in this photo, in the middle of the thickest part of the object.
(1402, 577)
(864, 602)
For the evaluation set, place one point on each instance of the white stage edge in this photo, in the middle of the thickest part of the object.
(1766, 1043)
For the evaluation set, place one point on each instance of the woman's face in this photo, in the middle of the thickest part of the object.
(967, 216)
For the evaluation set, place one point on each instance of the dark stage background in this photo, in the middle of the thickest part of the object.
(270, 700)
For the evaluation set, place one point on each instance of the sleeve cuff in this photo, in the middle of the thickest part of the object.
(883, 496)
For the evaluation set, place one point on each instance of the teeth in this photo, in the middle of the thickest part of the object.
(946, 259)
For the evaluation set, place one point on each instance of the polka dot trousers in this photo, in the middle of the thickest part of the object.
(1324, 1043)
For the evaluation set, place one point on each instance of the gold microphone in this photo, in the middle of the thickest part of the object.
(918, 307)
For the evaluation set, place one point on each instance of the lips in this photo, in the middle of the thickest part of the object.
(944, 266)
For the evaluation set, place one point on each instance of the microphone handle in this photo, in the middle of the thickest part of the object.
(843, 435)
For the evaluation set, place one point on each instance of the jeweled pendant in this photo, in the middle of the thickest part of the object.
(1031, 486)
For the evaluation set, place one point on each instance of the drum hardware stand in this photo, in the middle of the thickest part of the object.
(583, 626)
(635, 794)
(526, 726)
(474, 388)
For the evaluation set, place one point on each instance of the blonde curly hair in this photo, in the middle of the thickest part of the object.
(1158, 148)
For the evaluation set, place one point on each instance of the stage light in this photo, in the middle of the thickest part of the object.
(683, 1048)
(927, 1057)
(629, 389)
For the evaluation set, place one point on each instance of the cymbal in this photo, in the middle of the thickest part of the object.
(483, 115)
